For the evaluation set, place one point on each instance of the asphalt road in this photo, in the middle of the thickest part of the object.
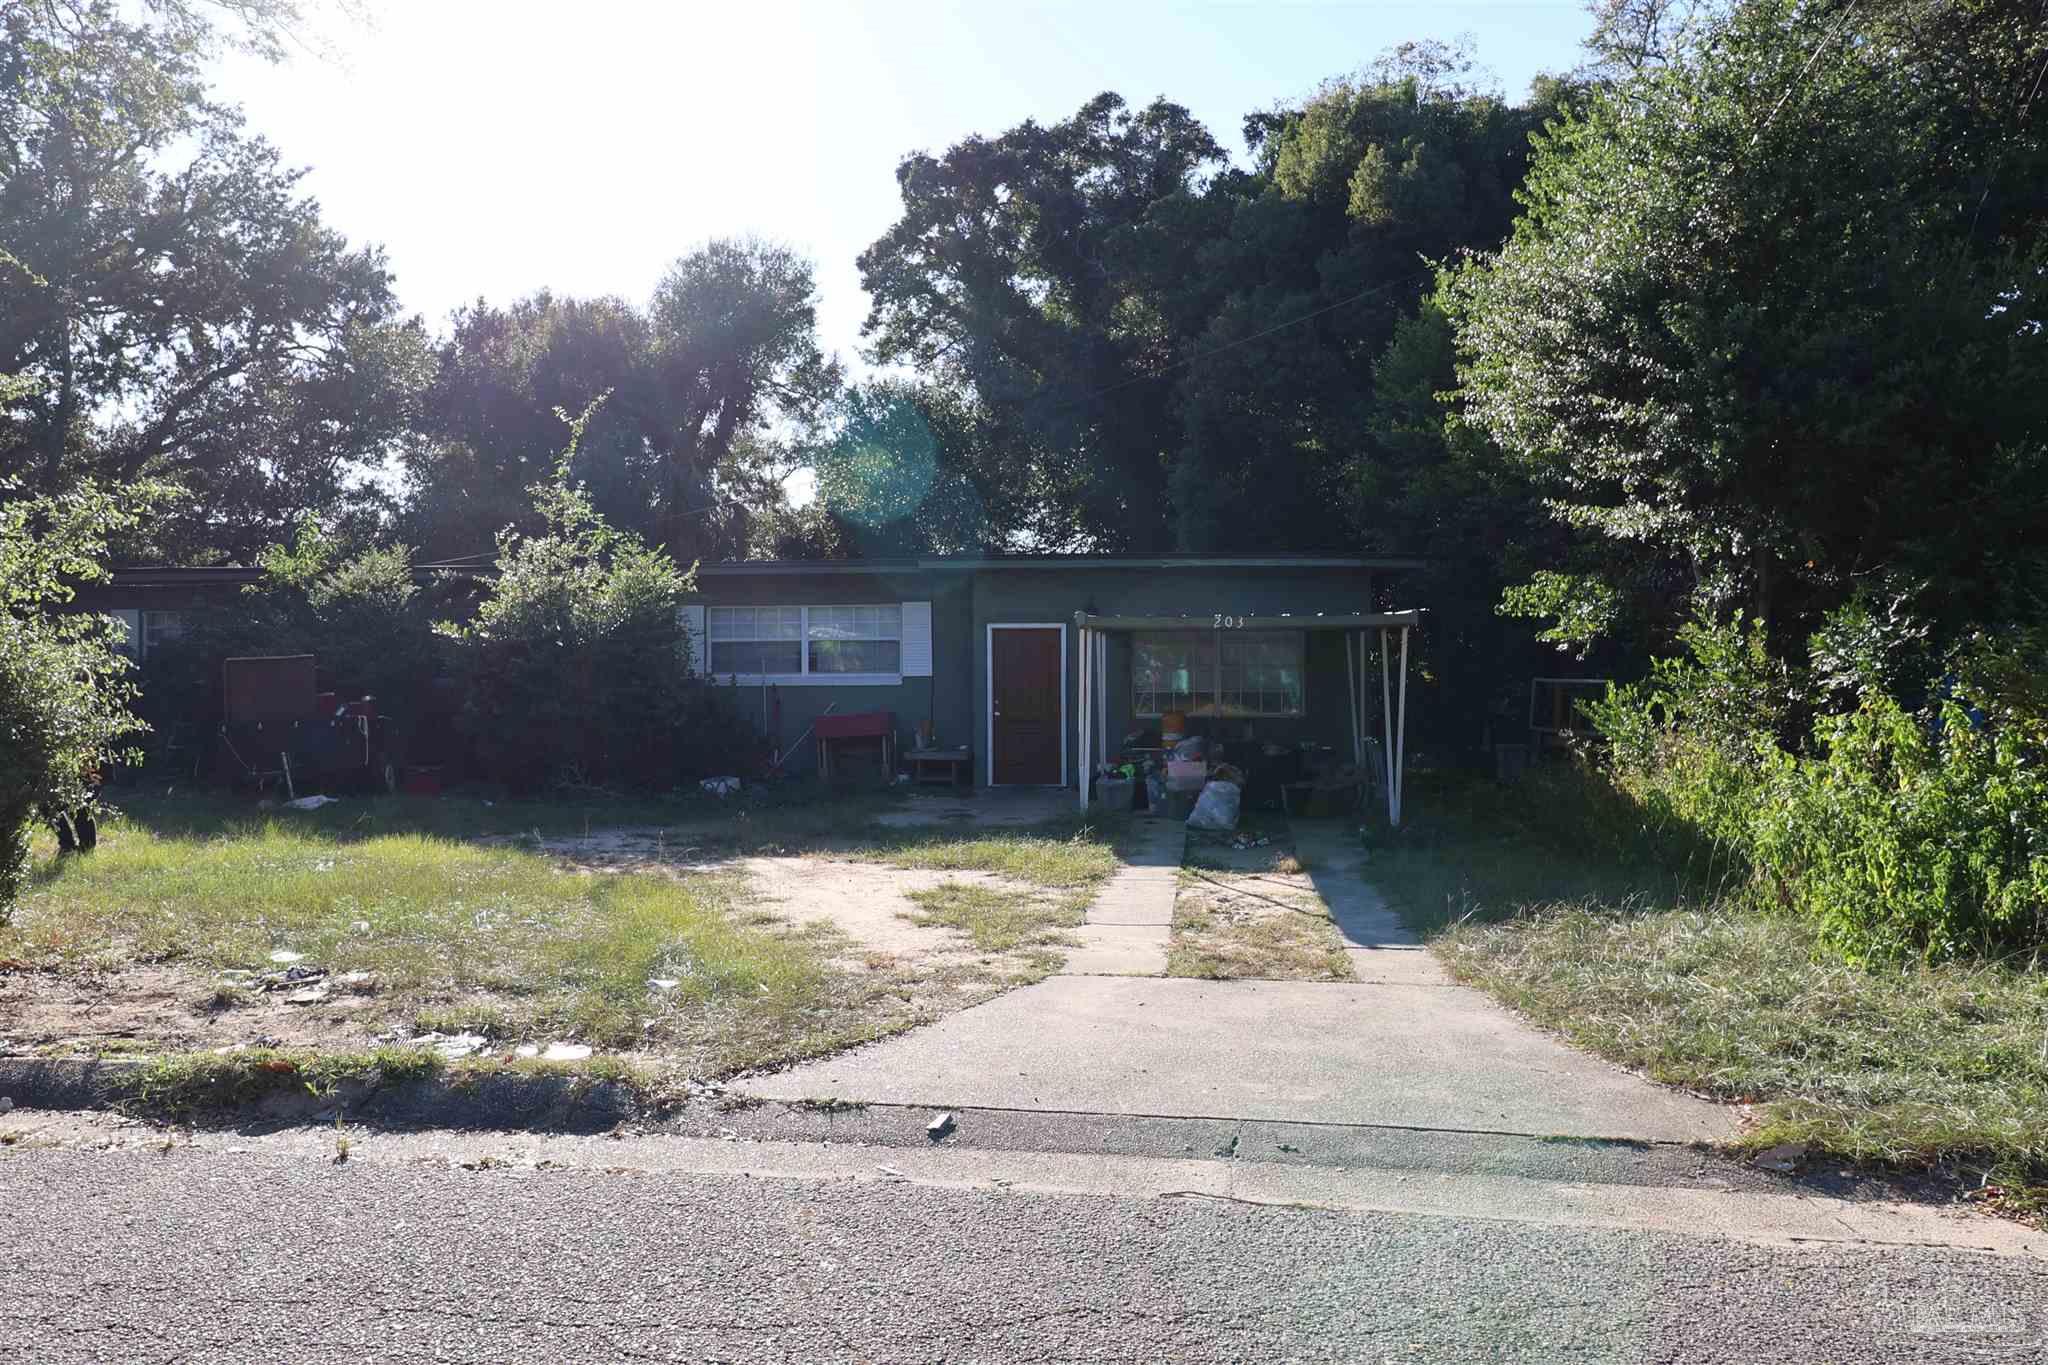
(206, 1255)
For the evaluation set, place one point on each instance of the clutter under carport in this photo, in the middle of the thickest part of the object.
(1174, 771)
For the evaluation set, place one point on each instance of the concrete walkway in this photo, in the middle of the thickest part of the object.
(1130, 923)
(1380, 947)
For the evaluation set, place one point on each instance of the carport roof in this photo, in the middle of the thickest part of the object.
(959, 563)
(1284, 621)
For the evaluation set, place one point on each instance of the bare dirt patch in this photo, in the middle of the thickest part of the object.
(157, 1007)
(867, 902)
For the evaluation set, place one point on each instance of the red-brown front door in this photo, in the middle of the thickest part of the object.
(1024, 692)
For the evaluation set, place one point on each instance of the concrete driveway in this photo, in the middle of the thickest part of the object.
(1400, 1047)
(1437, 1057)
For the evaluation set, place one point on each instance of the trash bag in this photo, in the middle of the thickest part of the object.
(1216, 807)
(1193, 749)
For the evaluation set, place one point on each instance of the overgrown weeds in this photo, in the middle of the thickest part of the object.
(1912, 1064)
(184, 1084)
(1238, 925)
(1061, 855)
(998, 919)
(457, 938)
(1899, 833)
(1909, 1062)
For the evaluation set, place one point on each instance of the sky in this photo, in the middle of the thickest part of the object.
(496, 147)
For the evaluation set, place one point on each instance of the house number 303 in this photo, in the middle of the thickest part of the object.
(1229, 622)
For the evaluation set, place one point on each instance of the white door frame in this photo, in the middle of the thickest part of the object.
(988, 700)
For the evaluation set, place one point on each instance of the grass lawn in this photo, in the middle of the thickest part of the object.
(162, 938)
(1232, 923)
(1638, 961)
(1002, 919)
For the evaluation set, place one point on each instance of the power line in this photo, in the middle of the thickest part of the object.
(1841, 25)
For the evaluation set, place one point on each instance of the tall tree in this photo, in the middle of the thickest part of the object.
(910, 470)
(488, 430)
(1774, 314)
(1328, 246)
(1170, 353)
(714, 387)
(1004, 277)
(743, 384)
(184, 314)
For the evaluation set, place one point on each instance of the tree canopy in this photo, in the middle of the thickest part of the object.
(1169, 352)
(1770, 324)
(713, 388)
(183, 314)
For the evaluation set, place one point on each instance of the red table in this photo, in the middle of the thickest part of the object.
(867, 725)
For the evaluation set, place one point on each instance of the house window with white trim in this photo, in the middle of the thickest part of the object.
(755, 640)
(864, 641)
(1218, 673)
(854, 639)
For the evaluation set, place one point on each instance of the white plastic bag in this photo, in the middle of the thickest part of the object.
(1216, 807)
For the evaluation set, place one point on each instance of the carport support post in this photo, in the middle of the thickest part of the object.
(1081, 738)
(1101, 703)
(1397, 739)
(1351, 695)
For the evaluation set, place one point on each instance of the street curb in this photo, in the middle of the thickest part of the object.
(457, 1098)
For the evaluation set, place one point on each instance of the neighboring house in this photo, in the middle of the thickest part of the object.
(990, 650)
(152, 603)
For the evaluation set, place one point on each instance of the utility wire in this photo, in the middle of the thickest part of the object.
(1841, 25)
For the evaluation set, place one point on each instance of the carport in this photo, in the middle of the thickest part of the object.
(1357, 629)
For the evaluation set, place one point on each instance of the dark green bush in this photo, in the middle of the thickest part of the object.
(1904, 839)
(576, 667)
(63, 686)
(362, 615)
(1901, 834)
(1689, 744)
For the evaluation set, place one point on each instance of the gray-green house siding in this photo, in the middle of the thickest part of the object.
(967, 599)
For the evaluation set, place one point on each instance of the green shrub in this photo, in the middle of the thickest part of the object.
(576, 666)
(63, 686)
(1690, 744)
(1906, 839)
(362, 616)
(1900, 834)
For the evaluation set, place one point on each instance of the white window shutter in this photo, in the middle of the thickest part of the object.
(693, 630)
(917, 639)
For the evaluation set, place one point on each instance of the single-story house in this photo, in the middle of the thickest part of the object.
(1039, 666)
